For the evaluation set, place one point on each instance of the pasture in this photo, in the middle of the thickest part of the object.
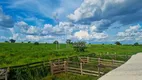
(12, 54)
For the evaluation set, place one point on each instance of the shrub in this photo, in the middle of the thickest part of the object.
(12, 40)
(55, 42)
(36, 43)
(136, 44)
(6, 41)
(68, 41)
(79, 46)
(117, 43)
(29, 41)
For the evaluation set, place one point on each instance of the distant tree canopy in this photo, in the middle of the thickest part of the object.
(68, 41)
(117, 43)
(12, 40)
(6, 41)
(29, 41)
(36, 43)
(79, 46)
(55, 42)
(136, 44)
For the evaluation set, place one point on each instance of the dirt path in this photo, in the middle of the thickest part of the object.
(131, 70)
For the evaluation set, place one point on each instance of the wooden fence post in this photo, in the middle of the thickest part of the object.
(51, 67)
(81, 68)
(99, 66)
(65, 66)
(112, 62)
(99, 61)
(58, 61)
(115, 56)
(87, 59)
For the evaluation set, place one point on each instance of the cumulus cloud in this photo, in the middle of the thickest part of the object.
(107, 12)
(24, 28)
(133, 33)
(46, 8)
(93, 36)
(82, 34)
(5, 20)
(64, 30)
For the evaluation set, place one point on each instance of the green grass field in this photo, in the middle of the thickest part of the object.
(22, 53)
(13, 54)
(70, 76)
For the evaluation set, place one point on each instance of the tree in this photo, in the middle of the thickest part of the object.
(55, 42)
(6, 41)
(79, 46)
(68, 41)
(136, 44)
(12, 40)
(36, 43)
(29, 41)
(117, 43)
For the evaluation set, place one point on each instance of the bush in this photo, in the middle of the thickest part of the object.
(12, 40)
(79, 46)
(6, 41)
(29, 41)
(55, 42)
(136, 44)
(36, 43)
(68, 41)
(117, 43)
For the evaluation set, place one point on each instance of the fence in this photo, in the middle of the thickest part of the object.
(91, 64)
(81, 66)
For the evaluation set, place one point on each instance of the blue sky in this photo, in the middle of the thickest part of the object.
(94, 21)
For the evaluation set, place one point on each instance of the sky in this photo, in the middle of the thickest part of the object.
(93, 21)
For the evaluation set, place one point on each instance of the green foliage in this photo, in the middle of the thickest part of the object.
(18, 54)
(136, 44)
(70, 76)
(117, 43)
(55, 42)
(6, 42)
(36, 43)
(29, 41)
(79, 46)
(28, 73)
(12, 40)
(68, 41)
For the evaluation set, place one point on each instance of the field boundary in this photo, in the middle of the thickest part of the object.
(61, 65)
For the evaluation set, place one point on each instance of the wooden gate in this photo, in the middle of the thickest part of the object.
(58, 67)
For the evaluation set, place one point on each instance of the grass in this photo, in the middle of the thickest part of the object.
(70, 76)
(12, 54)
(22, 53)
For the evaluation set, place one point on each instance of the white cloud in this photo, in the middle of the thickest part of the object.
(133, 33)
(93, 28)
(3, 38)
(33, 38)
(82, 34)
(96, 8)
(98, 35)
(33, 30)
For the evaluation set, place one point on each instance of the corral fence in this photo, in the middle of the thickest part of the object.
(92, 64)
